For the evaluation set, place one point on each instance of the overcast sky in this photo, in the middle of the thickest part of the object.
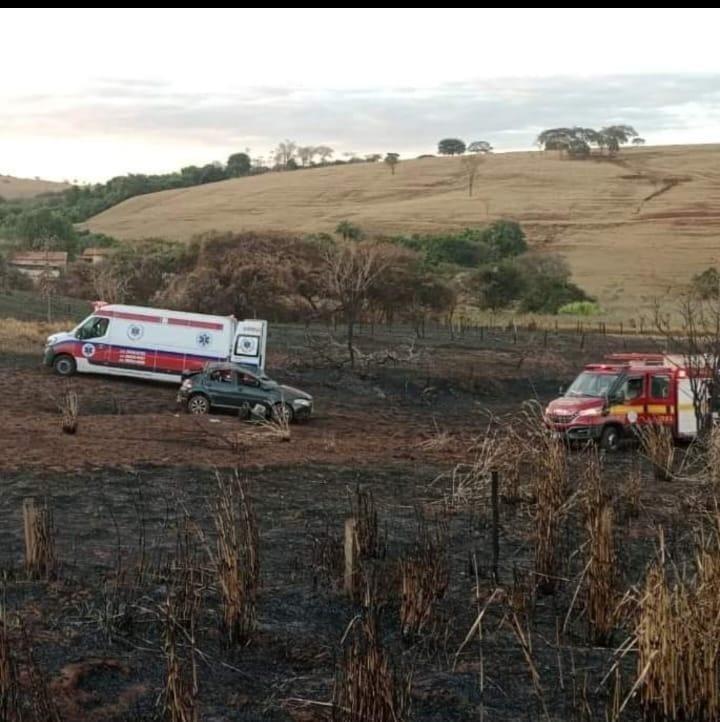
(88, 94)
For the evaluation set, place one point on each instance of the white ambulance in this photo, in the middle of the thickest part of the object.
(154, 343)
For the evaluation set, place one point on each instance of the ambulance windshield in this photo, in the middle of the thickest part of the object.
(592, 384)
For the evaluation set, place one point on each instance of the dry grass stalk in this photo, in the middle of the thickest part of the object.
(326, 558)
(235, 559)
(713, 458)
(632, 490)
(658, 447)
(677, 641)
(552, 494)
(40, 559)
(10, 709)
(181, 680)
(38, 704)
(69, 408)
(367, 685)
(370, 542)
(424, 580)
(600, 578)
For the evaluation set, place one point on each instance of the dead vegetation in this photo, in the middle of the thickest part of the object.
(676, 636)
(658, 447)
(424, 578)
(235, 558)
(368, 685)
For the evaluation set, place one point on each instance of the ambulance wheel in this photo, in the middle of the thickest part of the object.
(64, 365)
(610, 439)
(198, 404)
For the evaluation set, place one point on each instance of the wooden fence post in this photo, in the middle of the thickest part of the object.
(495, 503)
(350, 555)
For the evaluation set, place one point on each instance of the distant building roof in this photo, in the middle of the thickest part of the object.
(39, 258)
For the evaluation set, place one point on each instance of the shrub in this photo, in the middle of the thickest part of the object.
(580, 308)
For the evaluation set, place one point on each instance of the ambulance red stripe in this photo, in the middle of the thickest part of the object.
(158, 319)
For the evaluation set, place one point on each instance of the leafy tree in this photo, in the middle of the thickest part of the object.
(480, 146)
(373, 157)
(616, 135)
(212, 172)
(238, 164)
(547, 284)
(451, 146)
(638, 141)
(498, 285)
(349, 232)
(392, 159)
(506, 237)
(44, 229)
(706, 285)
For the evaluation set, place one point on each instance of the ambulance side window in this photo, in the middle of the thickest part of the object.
(660, 387)
(94, 327)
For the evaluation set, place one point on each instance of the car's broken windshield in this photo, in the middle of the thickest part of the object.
(591, 384)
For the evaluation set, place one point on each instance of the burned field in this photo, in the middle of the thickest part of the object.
(363, 568)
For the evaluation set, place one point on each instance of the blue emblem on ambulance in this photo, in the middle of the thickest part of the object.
(204, 339)
(88, 350)
(135, 331)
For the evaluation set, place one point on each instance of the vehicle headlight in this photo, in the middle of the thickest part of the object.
(187, 384)
(302, 402)
(590, 412)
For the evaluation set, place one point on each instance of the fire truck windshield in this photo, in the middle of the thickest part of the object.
(589, 383)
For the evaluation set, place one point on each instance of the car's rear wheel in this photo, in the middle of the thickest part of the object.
(64, 365)
(610, 439)
(198, 404)
(282, 413)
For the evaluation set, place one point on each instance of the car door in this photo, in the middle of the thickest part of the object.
(222, 387)
(250, 389)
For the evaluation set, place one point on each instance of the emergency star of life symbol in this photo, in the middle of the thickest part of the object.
(204, 339)
(135, 331)
(88, 350)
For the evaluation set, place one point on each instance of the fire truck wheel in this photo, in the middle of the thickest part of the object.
(64, 365)
(610, 439)
(198, 404)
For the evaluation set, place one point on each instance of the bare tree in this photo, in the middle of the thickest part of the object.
(324, 151)
(352, 271)
(698, 341)
(470, 165)
(305, 153)
(285, 152)
(108, 285)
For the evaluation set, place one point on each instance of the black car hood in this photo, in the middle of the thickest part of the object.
(290, 392)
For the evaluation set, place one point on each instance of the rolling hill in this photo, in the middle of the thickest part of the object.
(12, 188)
(630, 227)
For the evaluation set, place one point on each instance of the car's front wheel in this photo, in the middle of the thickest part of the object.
(282, 413)
(198, 404)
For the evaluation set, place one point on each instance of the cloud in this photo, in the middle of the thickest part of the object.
(507, 112)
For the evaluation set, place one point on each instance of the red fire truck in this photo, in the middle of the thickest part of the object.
(608, 399)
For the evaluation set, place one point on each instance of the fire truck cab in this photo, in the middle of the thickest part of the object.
(607, 400)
